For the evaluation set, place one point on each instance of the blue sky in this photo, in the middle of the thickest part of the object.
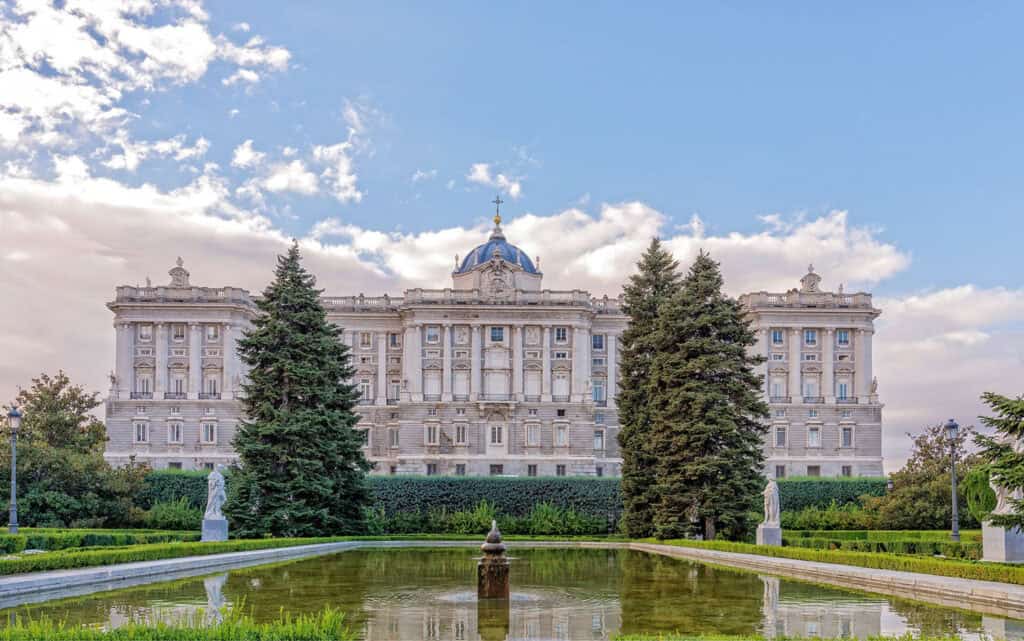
(907, 116)
(879, 141)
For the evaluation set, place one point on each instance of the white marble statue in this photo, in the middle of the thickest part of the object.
(771, 503)
(215, 494)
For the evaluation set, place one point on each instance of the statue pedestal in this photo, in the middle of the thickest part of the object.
(769, 534)
(1001, 544)
(215, 530)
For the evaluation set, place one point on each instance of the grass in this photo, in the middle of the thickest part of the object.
(327, 625)
(963, 569)
(754, 637)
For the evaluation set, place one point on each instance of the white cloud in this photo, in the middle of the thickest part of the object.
(480, 173)
(233, 112)
(421, 175)
(291, 176)
(339, 173)
(134, 152)
(245, 156)
(241, 26)
(242, 75)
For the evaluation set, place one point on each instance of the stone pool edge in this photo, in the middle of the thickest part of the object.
(987, 597)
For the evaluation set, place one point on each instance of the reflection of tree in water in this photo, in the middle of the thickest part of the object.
(935, 621)
(658, 593)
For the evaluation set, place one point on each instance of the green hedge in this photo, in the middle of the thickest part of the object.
(167, 486)
(1000, 572)
(804, 492)
(963, 550)
(326, 625)
(54, 539)
(967, 536)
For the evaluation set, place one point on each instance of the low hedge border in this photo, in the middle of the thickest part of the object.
(68, 539)
(967, 536)
(963, 550)
(961, 569)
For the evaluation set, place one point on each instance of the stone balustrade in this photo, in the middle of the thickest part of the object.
(807, 299)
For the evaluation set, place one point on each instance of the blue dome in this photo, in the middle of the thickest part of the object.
(506, 250)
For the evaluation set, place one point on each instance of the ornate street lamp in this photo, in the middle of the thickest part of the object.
(14, 423)
(952, 431)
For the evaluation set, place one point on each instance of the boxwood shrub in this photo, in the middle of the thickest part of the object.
(804, 492)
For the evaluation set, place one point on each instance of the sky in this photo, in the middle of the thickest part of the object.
(879, 142)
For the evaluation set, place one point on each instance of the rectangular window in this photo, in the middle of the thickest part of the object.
(208, 433)
(497, 334)
(392, 470)
(432, 411)
(460, 469)
(531, 470)
(780, 436)
(780, 413)
(844, 389)
(211, 386)
(599, 440)
(810, 337)
(843, 337)
(778, 357)
(394, 390)
(178, 386)
(559, 470)
(175, 409)
(433, 334)
(141, 432)
(174, 432)
(780, 471)
(561, 356)
(810, 357)
(460, 434)
(177, 332)
(561, 334)
(846, 413)
(460, 411)
(777, 389)
(208, 466)
(431, 469)
(814, 437)
(365, 434)
(364, 389)
(599, 418)
(364, 339)
(431, 435)
(812, 413)
(533, 434)
(778, 337)
(496, 435)
(145, 333)
(174, 465)
(393, 438)
(597, 391)
(532, 411)
(599, 471)
(560, 413)
(393, 339)
(846, 438)
(145, 385)
(561, 435)
(597, 362)
(212, 332)
(847, 470)
(813, 470)
(497, 470)
(597, 341)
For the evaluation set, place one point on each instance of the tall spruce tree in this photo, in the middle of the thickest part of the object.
(302, 467)
(656, 280)
(706, 411)
(1004, 453)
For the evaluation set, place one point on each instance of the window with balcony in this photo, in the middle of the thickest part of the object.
(497, 435)
(497, 334)
(431, 434)
(531, 470)
(778, 337)
(433, 334)
(431, 411)
(812, 413)
(141, 431)
(533, 435)
(810, 337)
(460, 469)
(599, 418)
(780, 413)
(393, 339)
(559, 470)
(365, 389)
(847, 470)
(843, 392)
(208, 433)
(561, 334)
(144, 384)
(597, 362)
(460, 434)
(814, 436)
(431, 469)
(145, 333)
(561, 436)
(780, 436)
(212, 332)
(597, 391)
(843, 337)
(212, 386)
(178, 332)
(497, 470)
(175, 432)
(597, 341)
(393, 438)
(846, 437)
(599, 440)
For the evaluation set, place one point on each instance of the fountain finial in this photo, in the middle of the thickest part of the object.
(492, 544)
(492, 569)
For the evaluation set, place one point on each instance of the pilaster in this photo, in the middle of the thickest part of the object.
(795, 391)
(446, 362)
(160, 359)
(195, 359)
(475, 356)
(382, 368)
(613, 369)
(545, 381)
(227, 351)
(828, 378)
(517, 362)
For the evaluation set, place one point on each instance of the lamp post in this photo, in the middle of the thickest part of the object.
(952, 431)
(14, 423)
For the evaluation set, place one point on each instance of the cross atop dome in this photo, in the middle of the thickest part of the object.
(497, 233)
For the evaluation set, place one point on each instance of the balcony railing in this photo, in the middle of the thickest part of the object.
(495, 397)
(460, 397)
(532, 398)
(601, 402)
(141, 395)
(806, 299)
(392, 401)
(175, 395)
(366, 401)
(780, 399)
(848, 400)
(814, 399)
(559, 398)
(431, 397)
(418, 296)
(209, 396)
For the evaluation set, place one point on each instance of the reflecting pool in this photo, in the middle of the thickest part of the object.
(420, 593)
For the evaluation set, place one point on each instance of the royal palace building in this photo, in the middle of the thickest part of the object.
(493, 375)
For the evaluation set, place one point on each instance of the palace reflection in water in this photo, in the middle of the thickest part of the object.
(556, 594)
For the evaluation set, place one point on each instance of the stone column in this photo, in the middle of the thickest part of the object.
(195, 360)
(863, 365)
(578, 384)
(446, 362)
(796, 391)
(828, 378)
(761, 349)
(517, 362)
(160, 359)
(475, 354)
(227, 351)
(545, 381)
(382, 368)
(407, 363)
(123, 365)
(613, 368)
(417, 363)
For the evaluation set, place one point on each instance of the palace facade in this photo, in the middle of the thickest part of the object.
(490, 376)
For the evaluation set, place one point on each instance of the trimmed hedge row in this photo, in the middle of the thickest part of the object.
(963, 550)
(799, 493)
(1001, 572)
(513, 496)
(968, 536)
(46, 539)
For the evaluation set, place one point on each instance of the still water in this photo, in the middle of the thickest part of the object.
(557, 594)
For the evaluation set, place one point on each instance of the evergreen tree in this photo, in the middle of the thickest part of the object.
(706, 411)
(302, 467)
(656, 280)
(1004, 453)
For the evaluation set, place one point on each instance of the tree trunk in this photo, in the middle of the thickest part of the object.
(709, 528)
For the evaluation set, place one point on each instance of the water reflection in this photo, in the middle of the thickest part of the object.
(556, 594)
